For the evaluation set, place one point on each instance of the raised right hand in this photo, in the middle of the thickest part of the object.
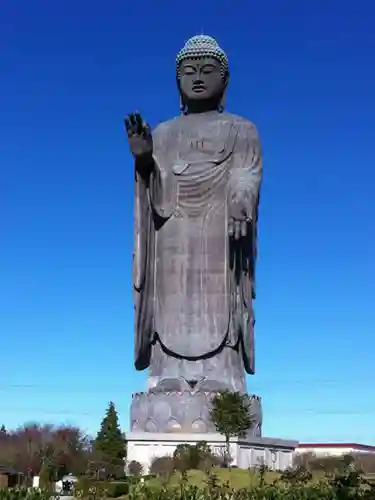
(139, 136)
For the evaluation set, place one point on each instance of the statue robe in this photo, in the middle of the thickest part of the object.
(193, 285)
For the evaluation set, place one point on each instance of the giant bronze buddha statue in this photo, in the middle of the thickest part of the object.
(197, 184)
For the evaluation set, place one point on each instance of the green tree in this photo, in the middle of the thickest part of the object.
(110, 443)
(231, 417)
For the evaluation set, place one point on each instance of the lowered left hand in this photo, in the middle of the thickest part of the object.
(237, 228)
(238, 221)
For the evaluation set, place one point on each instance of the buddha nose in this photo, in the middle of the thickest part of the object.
(198, 82)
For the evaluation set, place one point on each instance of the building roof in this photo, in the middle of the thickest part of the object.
(356, 446)
(4, 469)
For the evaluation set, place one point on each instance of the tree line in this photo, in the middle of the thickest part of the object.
(52, 451)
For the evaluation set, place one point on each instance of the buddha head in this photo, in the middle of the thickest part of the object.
(202, 75)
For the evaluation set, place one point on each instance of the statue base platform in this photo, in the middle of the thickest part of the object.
(182, 412)
(249, 453)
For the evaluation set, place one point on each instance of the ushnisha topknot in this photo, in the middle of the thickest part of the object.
(202, 46)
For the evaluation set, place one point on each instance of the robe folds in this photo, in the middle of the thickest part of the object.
(193, 284)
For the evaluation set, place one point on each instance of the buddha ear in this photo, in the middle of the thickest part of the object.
(222, 100)
(183, 107)
(182, 104)
(226, 79)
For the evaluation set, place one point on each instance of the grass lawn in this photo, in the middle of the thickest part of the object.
(237, 478)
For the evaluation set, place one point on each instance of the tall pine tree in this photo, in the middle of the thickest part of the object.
(110, 443)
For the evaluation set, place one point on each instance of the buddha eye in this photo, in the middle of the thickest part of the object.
(189, 70)
(208, 69)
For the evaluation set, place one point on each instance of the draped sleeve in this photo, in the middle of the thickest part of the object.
(243, 198)
(244, 191)
(153, 205)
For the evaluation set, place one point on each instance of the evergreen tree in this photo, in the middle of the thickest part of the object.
(110, 443)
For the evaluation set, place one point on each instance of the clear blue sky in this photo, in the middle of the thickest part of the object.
(304, 73)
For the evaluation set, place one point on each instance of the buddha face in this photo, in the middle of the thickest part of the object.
(201, 79)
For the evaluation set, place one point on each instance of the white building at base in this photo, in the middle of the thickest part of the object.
(334, 449)
(276, 454)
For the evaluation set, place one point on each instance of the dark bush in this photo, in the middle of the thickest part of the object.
(117, 489)
(119, 473)
(208, 461)
(184, 459)
(198, 456)
(365, 462)
(329, 464)
(135, 468)
(163, 466)
(297, 475)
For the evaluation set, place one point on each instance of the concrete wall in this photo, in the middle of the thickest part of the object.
(275, 453)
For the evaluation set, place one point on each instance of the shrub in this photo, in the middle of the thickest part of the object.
(22, 493)
(83, 484)
(88, 487)
(186, 457)
(198, 456)
(365, 462)
(119, 473)
(135, 468)
(297, 475)
(329, 464)
(163, 466)
(208, 461)
(303, 460)
(117, 489)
